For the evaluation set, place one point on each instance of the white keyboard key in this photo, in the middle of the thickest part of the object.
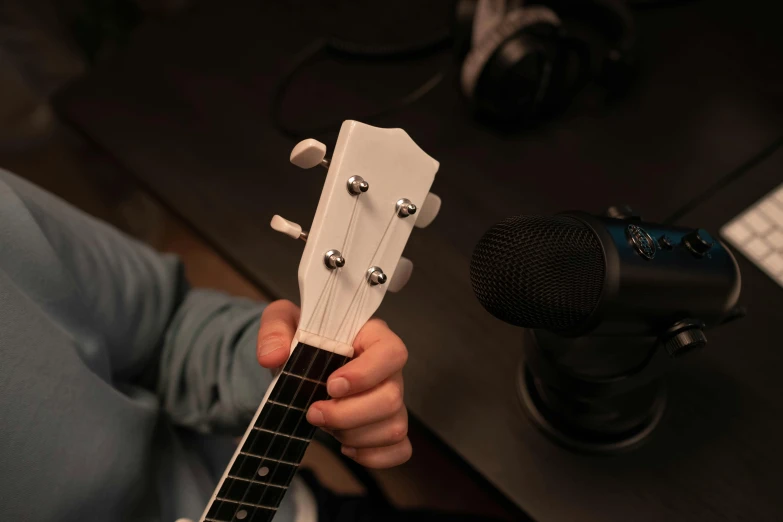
(757, 222)
(758, 233)
(758, 248)
(773, 263)
(737, 232)
(776, 239)
(773, 212)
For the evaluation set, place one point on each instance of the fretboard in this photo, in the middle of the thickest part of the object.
(275, 442)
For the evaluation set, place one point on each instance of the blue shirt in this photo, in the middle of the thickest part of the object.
(121, 388)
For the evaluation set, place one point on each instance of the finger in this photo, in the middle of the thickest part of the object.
(379, 458)
(381, 354)
(387, 432)
(368, 407)
(278, 326)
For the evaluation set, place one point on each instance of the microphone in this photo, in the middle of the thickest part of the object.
(577, 274)
(599, 295)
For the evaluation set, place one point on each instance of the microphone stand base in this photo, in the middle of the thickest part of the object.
(585, 404)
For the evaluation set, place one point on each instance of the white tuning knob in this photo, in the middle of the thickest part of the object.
(428, 211)
(401, 275)
(288, 228)
(309, 153)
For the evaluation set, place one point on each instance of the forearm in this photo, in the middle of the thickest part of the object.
(209, 377)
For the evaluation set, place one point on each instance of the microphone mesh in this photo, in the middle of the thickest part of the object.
(539, 272)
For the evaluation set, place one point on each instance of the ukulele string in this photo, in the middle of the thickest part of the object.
(329, 291)
(318, 303)
(265, 456)
(361, 286)
(321, 378)
(331, 284)
(240, 465)
(346, 246)
(354, 330)
(308, 403)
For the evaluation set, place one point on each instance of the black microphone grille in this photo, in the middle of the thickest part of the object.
(539, 271)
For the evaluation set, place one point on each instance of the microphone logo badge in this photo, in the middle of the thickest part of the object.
(642, 242)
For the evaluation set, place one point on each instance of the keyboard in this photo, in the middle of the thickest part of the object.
(758, 234)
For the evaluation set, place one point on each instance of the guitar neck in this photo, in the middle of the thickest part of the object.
(272, 448)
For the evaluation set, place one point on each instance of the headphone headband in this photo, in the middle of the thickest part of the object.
(512, 23)
(611, 17)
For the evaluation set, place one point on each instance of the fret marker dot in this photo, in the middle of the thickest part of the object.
(263, 471)
(242, 514)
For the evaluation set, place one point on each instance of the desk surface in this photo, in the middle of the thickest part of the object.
(186, 111)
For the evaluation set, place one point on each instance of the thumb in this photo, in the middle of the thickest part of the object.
(278, 326)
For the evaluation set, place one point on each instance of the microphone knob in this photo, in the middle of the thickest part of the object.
(685, 341)
(699, 242)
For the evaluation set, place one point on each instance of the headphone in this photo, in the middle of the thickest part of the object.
(521, 62)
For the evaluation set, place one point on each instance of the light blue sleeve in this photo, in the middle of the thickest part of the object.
(194, 348)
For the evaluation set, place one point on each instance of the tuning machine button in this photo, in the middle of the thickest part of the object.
(402, 275)
(357, 185)
(309, 153)
(334, 259)
(375, 276)
(428, 211)
(288, 228)
(406, 208)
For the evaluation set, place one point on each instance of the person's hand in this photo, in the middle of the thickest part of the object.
(366, 412)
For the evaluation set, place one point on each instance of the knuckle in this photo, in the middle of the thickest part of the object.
(398, 431)
(394, 399)
(401, 353)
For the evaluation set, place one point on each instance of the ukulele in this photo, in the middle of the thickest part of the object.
(376, 190)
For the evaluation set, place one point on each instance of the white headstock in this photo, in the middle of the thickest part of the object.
(377, 181)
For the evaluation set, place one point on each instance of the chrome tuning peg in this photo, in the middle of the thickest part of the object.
(309, 153)
(401, 275)
(428, 211)
(288, 228)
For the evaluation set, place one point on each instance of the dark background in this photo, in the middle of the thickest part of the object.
(185, 107)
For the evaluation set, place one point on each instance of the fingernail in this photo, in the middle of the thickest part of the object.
(338, 387)
(315, 417)
(269, 345)
(349, 452)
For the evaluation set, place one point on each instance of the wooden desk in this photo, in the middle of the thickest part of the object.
(186, 111)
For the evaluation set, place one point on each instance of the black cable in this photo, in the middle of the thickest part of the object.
(389, 51)
(723, 182)
(354, 50)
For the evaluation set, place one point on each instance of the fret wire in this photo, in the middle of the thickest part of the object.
(281, 434)
(298, 353)
(301, 349)
(285, 405)
(303, 377)
(325, 369)
(234, 477)
(268, 458)
(312, 393)
(245, 504)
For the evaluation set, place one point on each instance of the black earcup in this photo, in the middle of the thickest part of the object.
(528, 67)
(514, 83)
(508, 73)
